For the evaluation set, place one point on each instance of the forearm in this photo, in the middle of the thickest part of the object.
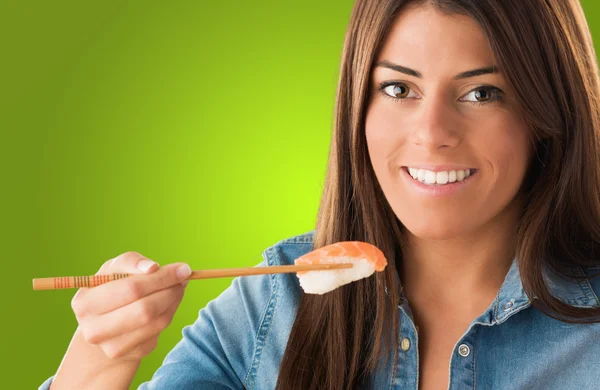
(87, 367)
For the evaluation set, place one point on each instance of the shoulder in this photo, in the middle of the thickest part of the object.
(278, 302)
(576, 287)
(285, 251)
(592, 285)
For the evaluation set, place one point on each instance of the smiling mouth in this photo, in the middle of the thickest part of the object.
(439, 178)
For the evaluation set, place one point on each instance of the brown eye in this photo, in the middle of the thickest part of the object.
(482, 95)
(400, 91)
(396, 91)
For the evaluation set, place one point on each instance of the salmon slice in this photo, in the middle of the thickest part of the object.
(353, 249)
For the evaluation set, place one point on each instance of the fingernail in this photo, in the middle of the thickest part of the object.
(145, 265)
(183, 271)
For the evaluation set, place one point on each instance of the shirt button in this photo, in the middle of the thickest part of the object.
(464, 350)
(508, 305)
(405, 344)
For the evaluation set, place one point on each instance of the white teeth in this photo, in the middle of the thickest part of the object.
(430, 177)
(452, 176)
(441, 178)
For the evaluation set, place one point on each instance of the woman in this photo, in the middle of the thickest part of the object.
(466, 148)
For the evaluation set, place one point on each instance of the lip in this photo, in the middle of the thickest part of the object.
(434, 190)
(440, 168)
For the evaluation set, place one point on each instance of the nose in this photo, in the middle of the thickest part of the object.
(437, 128)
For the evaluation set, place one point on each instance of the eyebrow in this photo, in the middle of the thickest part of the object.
(412, 72)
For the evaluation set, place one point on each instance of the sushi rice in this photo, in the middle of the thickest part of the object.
(321, 282)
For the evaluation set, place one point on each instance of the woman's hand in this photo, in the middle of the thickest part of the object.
(124, 318)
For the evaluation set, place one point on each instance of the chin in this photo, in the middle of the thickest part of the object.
(435, 228)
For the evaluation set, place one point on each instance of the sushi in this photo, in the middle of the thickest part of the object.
(366, 259)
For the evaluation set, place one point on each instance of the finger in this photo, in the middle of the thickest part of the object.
(112, 295)
(128, 262)
(124, 344)
(97, 329)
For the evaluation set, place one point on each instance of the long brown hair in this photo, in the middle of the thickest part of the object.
(545, 49)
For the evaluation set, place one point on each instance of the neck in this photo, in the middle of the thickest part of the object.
(464, 272)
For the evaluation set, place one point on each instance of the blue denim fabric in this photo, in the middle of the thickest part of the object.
(239, 338)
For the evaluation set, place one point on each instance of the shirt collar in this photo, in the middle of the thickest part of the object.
(511, 297)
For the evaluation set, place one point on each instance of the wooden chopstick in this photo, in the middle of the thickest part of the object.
(59, 283)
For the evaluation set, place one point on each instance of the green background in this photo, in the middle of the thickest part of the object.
(185, 130)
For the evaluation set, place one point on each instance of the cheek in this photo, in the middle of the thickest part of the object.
(504, 151)
(383, 135)
(508, 149)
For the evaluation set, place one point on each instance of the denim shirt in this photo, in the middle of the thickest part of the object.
(239, 338)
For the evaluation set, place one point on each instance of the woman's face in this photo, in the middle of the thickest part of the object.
(449, 148)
